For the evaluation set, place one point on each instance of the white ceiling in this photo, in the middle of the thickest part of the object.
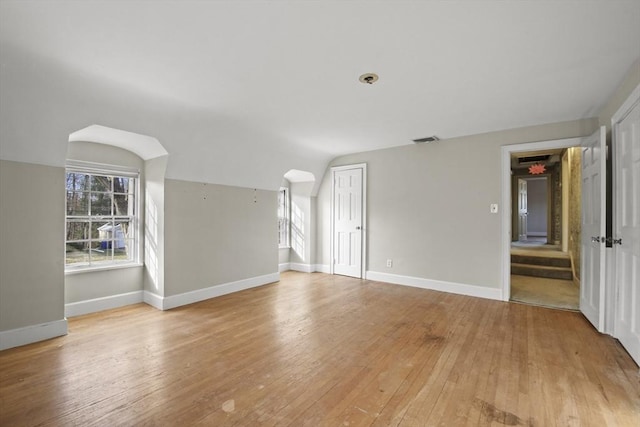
(221, 82)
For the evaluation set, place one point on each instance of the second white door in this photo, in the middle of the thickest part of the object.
(626, 238)
(522, 210)
(348, 221)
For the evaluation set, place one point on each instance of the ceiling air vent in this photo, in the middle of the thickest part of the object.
(427, 139)
(534, 159)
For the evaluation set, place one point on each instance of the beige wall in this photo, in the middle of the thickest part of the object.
(31, 244)
(216, 234)
(88, 285)
(628, 84)
(104, 154)
(428, 205)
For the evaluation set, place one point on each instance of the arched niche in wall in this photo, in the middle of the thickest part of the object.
(302, 219)
(152, 164)
(303, 180)
(146, 147)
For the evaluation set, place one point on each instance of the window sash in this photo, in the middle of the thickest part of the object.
(283, 218)
(105, 234)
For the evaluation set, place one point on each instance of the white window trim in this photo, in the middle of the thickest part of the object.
(96, 169)
(287, 208)
(70, 271)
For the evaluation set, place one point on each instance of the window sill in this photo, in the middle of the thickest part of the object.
(80, 270)
(284, 247)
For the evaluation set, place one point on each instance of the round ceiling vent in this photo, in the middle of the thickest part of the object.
(368, 78)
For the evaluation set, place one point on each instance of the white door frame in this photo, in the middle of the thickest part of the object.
(335, 169)
(507, 151)
(613, 293)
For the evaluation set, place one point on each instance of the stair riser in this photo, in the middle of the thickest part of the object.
(549, 274)
(533, 260)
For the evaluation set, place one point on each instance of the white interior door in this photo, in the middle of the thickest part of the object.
(626, 233)
(522, 210)
(592, 269)
(348, 221)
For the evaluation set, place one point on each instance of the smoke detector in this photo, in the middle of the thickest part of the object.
(368, 78)
(432, 138)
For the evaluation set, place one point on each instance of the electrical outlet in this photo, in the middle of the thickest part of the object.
(389, 263)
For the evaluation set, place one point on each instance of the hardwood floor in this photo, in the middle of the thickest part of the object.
(323, 350)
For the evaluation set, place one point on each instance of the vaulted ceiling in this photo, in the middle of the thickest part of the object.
(239, 92)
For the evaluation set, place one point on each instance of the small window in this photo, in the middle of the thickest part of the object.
(101, 218)
(283, 218)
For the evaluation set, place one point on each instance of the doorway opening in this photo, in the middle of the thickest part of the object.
(533, 209)
(545, 246)
(542, 253)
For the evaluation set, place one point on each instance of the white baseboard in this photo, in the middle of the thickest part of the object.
(99, 304)
(173, 301)
(437, 285)
(285, 266)
(304, 268)
(154, 300)
(34, 333)
(322, 268)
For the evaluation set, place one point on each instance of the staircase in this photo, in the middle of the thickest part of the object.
(541, 263)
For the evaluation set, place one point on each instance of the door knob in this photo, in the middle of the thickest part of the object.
(358, 228)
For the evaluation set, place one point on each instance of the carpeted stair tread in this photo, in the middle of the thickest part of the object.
(541, 260)
(542, 271)
(540, 252)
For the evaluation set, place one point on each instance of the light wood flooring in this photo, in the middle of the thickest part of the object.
(323, 350)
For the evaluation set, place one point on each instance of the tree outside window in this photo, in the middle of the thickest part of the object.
(101, 219)
(283, 218)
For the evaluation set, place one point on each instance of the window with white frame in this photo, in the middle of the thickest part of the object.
(283, 218)
(101, 218)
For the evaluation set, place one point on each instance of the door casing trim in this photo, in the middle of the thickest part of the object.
(506, 152)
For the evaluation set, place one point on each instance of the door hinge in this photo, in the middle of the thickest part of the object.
(612, 241)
